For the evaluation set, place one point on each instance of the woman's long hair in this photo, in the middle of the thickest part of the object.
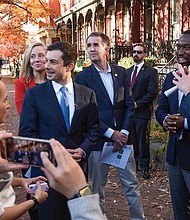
(26, 69)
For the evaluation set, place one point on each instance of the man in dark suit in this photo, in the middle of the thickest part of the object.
(144, 89)
(173, 114)
(115, 109)
(43, 116)
(18, 155)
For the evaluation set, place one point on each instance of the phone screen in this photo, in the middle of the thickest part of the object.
(27, 150)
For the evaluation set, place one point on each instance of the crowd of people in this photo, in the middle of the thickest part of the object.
(105, 104)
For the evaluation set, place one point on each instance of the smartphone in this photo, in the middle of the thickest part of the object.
(27, 150)
(33, 187)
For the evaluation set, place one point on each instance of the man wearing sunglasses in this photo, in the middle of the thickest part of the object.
(144, 89)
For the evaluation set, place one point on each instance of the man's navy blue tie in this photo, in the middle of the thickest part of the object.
(65, 106)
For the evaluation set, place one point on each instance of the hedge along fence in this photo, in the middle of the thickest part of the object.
(158, 143)
(127, 62)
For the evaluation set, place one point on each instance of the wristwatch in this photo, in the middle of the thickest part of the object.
(84, 191)
(35, 202)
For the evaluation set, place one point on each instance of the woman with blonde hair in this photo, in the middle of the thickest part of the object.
(32, 71)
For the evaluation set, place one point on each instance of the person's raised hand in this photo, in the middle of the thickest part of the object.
(67, 177)
(26, 181)
(182, 79)
(40, 195)
(6, 166)
(4, 135)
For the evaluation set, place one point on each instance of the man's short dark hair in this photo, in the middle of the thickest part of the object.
(141, 45)
(69, 52)
(104, 37)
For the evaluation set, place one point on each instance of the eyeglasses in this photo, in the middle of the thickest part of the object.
(138, 51)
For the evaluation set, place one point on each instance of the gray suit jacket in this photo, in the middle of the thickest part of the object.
(86, 208)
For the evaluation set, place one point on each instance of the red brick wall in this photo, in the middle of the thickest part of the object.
(162, 20)
(186, 17)
(55, 8)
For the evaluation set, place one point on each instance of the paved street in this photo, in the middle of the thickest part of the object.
(155, 191)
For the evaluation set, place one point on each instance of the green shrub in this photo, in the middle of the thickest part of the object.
(151, 61)
(127, 62)
(157, 132)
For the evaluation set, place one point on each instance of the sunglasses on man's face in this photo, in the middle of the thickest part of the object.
(138, 51)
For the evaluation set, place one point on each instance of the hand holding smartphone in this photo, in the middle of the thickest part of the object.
(33, 187)
(27, 150)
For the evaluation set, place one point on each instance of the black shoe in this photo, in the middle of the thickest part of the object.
(145, 174)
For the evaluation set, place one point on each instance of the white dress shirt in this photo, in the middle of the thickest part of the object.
(107, 80)
(7, 194)
(70, 93)
(139, 68)
(180, 96)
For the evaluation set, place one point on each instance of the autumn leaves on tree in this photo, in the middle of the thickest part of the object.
(15, 14)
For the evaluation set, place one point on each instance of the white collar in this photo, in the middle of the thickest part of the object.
(139, 65)
(100, 71)
(58, 86)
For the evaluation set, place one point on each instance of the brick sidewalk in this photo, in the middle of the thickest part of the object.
(154, 192)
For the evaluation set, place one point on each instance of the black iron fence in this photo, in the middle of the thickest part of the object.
(163, 51)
